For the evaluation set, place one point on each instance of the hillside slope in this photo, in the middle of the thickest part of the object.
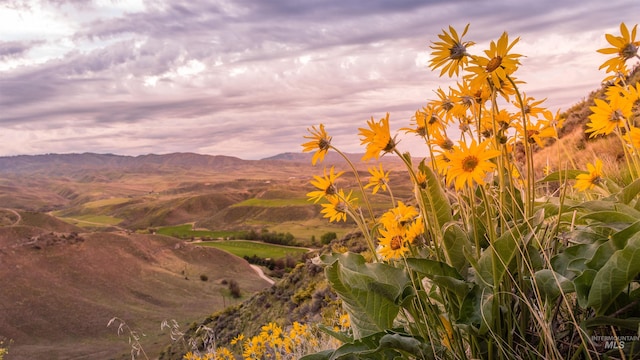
(61, 288)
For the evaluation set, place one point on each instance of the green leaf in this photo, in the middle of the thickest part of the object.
(322, 355)
(561, 176)
(455, 241)
(551, 284)
(443, 275)
(342, 337)
(629, 192)
(609, 217)
(431, 268)
(596, 205)
(573, 260)
(631, 323)
(621, 268)
(369, 292)
(407, 345)
(502, 252)
(365, 348)
(620, 238)
(458, 287)
(601, 256)
(434, 197)
(583, 284)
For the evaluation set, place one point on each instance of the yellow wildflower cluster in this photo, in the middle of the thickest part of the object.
(401, 227)
(488, 131)
(273, 342)
(473, 207)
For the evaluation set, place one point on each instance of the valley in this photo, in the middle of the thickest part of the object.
(85, 238)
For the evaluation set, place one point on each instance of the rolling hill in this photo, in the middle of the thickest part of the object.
(61, 286)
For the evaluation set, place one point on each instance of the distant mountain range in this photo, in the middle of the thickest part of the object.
(66, 163)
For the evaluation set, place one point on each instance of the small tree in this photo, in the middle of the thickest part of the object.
(234, 289)
(327, 237)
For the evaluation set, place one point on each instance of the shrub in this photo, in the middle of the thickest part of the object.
(234, 289)
(327, 237)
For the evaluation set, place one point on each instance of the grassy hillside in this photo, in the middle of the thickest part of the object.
(62, 287)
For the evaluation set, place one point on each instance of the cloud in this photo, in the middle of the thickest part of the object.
(247, 77)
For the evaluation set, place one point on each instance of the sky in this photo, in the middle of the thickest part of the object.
(246, 78)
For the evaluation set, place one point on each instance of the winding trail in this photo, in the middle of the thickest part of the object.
(260, 273)
(15, 213)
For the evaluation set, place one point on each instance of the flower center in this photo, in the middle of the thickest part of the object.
(330, 190)
(630, 50)
(616, 116)
(494, 64)
(447, 105)
(446, 144)
(324, 144)
(469, 163)
(457, 52)
(390, 145)
(467, 100)
(396, 242)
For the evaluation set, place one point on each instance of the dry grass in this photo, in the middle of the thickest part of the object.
(60, 291)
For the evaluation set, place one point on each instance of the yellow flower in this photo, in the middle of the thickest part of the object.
(392, 243)
(190, 356)
(271, 331)
(427, 121)
(320, 142)
(588, 180)
(502, 120)
(629, 93)
(442, 162)
(326, 185)
(379, 179)
(421, 179)
(552, 121)
(237, 339)
(468, 97)
(536, 132)
(344, 321)
(451, 52)
(222, 353)
(337, 207)
(377, 138)
(441, 140)
(415, 231)
(470, 163)
(448, 332)
(632, 138)
(444, 105)
(531, 107)
(399, 215)
(253, 348)
(624, 48)
(498, 64)
(608, 116)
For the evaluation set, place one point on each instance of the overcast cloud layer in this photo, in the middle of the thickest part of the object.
(247, 77)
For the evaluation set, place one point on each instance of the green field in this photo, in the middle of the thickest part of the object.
(105, 202)
(92, 220)
(244, 248)
(186, 231)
